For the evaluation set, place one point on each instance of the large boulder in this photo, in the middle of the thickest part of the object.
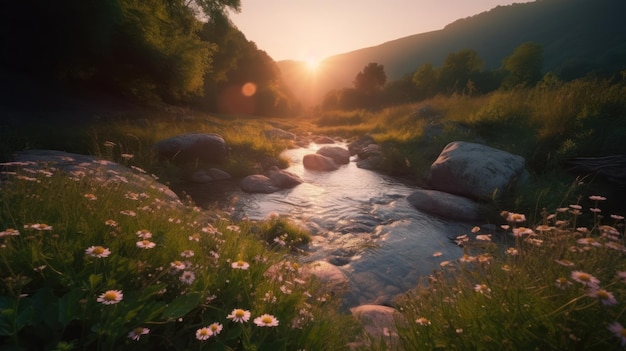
(258, 183)
(474, 170)
(445, 205)
(332, 276)
(275, 180)
(356, 146)
(102, 171)
(371, 150)
(186, 148)
(379, 323)
(283, 179)
(340, 155)
(319, 162)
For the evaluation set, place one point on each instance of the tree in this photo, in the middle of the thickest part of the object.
(523, 67)
(426, 81)
(143, 48)
(458, 69)
(371, 78)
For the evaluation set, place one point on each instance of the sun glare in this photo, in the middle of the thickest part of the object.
(312, 64)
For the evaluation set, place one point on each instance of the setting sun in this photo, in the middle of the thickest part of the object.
(312, 64)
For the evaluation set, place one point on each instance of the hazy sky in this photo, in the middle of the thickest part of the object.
(316, 29)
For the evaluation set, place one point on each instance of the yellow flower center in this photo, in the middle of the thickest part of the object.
(584, 277)
(213, 327)
(602, 294)
(98, 250)
(267, 320)
(110, 296)
(239, 313)
(241, 263)
(623, 332)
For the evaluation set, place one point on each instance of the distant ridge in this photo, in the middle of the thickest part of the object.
(577, 36)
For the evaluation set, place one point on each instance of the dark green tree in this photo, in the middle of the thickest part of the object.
(143, 48)
(236, 62)
(371, 78)
(524, 66)
(426, 80)
(459, 69)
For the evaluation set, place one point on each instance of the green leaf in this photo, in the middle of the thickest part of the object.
(47, 307)
(181, 306)
(7, 315)
(94, 280)
(151, 290)
(25, 315)
(150, 311)
(69, 306)
(12, 319)
(233, 333)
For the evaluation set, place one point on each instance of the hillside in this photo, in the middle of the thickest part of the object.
(578, 36)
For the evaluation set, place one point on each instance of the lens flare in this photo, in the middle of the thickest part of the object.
(248, 89)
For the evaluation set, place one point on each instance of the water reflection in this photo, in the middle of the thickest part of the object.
(362, 223)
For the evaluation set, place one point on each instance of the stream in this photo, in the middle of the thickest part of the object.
(361, 222)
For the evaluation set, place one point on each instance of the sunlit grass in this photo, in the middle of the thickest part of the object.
(526, 292)
(92, 265)
(546, 124)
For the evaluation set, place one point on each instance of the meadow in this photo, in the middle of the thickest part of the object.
(86, 264)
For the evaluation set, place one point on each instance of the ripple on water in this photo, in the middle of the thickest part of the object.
(361, 222)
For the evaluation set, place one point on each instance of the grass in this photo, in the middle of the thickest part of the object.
(528, 292)
(68, 240)
(546, 124)
(502, 294)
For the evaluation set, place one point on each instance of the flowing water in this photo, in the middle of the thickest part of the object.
(362, 223)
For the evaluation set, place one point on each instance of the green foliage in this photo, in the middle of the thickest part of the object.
(371, 78)
(523, 66)
(458, 70)
(279, 231)
(70, 243)
(238, 62)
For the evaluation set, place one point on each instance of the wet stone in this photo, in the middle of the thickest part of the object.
(338, 261)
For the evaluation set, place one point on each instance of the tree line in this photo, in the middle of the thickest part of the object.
(184, 52)
(461, 73)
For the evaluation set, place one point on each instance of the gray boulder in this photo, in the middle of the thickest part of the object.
(283, 179)
(186, 148)
(319, 162)
(102, 171)
(338, 154)
(356, 146)
(258, 183)
(379, 323)
(474, 170)
(276, 180)
(445, 205)
(371, 150)
(331, 276)
(371, 163)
